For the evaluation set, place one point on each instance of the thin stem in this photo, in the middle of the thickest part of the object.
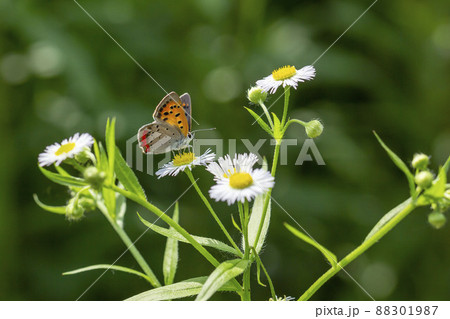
(287, 92)
(155, 210)
(272, 289)
(130, 245)
(263, 106)
(293, 121)
(269, 193)
(357, 252)
(246, 277)
(211, 210)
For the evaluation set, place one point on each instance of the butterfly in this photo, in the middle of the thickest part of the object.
(171, 128)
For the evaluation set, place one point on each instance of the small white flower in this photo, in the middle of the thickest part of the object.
(68, 148)
(185, 160)
(237, 180)
(286, 76)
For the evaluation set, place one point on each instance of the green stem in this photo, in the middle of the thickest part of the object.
(272, 289)
(357, 252)
(287, 92)
(211, 210)
(293, 121)
(263, 106)
(246, 276)
(269, 193)
(155, 210)
(130, 245)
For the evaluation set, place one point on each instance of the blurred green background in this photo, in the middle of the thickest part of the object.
(61, 74)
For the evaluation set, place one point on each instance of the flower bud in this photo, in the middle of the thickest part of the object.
(83, 156)
(256, 95)
(94, 177)
(87, 203)
(437, 220)
(73, 210)
(424, 179)
(420, 161)
(313, 128)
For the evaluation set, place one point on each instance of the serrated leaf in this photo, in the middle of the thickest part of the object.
(401, 165)
(387, 217)
(221, 275)
(170, 261)
(126, 176)
(260, 121)
(204, 241)
(63, 180)
(109, 267)
(52, 209)
(186, 288)
(325, 252)
(255, 219)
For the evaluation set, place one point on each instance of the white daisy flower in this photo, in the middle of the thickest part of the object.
(185, 160)
(68, 148)
(286, 76)
(237, 180)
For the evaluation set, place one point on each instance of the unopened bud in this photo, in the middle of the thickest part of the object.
(314, 128)
(420, 161)
(87, 203)
(437, 219)
(256, 95)
(424, 179)
(73, 210)
(94, 177)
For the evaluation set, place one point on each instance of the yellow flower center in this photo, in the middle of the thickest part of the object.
(284, 73)
(65, 148)
(241, 180)
(183, 159)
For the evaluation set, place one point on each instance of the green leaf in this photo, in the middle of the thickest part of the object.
(446, 165)
(401, 165)
(386, 218)
(204, 241)
(109, 267)
(126, 176)
(109, 195)
(170, 261)
(97, 154)
(255, 219)
(52, 209)
(121, 208)
(260, 121)
(221, 275)
(63, 180)
(325, 252)
(111, 147)
(186, 288)
(235, 224)
(277, 129)
(436, 190)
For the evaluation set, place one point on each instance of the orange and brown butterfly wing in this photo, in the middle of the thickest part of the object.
(173, 111)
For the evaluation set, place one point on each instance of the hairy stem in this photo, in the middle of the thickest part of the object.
(357, 252)
(155, 210)
(130, 246)
(211, 210)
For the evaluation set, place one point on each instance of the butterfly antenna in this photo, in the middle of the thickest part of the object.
(204, 129)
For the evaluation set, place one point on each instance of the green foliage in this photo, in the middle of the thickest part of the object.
(221, 275)
(170, 261)
(108, 267)
(325, 252)
(186, 288)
